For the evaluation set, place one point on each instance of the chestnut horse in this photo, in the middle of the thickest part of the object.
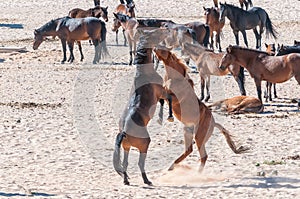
(197, 118)
(262, 66)
(212, 16)
(126, 9)
(271, 49)
(239, 105)
(70, 30)
(147, 91)
(207, 63)
(97, 12)
(242, 20)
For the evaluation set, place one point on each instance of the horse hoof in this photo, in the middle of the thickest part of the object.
(171, 167)
(171, 119)
(148, 183)
(126, 183)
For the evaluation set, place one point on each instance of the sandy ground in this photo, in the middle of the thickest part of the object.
(58, 122)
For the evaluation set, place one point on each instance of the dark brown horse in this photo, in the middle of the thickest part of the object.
(97, 12)
(70, 30)
(242, 20)
(198, 120)
(212, 16)
(147, 91)
(262, 66)
(126, 9)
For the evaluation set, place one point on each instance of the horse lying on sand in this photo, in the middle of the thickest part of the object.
(198, 120)
(239, 105)
(147, 91)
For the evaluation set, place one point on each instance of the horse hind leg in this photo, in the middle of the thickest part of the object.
(245, 37)
(188, 141)
(125, 165)
(80, 50)
(143, 148)
(258, 38)
(207, 89)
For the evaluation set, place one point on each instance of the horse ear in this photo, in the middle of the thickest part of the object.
(35, 31)
(115, 15)
(204, 8)
(266, 45)
(106, 8)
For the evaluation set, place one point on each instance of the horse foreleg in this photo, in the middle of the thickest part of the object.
(117, 41)
(258, 88)
(218, 41)
(212, 40)
(207, 88)
(64, 47)
(245, 37)
(80, 50)
(202, 84)
(161, 111)
(236, 35)
(125, 38)
(188, 142)
(274, 90)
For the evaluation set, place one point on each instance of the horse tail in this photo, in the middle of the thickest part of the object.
(206, 37)
(230, 142)
(270, 29)
(103, 47)
(117, 157)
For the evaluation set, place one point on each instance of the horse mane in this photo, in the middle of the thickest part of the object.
(235, 7)
(248, 49)
(49, 24)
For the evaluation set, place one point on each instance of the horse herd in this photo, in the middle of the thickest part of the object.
(149, 39)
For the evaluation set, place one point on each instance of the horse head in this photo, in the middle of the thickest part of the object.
(227, 58)
(270, 48)
(223, 11)
(38, 39)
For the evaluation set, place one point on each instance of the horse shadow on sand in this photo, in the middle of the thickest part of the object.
(12, 26)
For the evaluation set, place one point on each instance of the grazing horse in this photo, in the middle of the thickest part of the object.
(126, 9)
(262, 66)
(239, 105)
(242, 20)
(97, 12)
(198, 120)
(212, 16)
(207, 63)
(70, 30)
(271, 49)
(147, 91)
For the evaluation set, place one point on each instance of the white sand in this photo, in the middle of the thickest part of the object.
(60, 146)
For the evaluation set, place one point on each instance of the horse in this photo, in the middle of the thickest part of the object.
(262, 66)
(242, 20)
(147, 91)
(97, 12)
(283, 50)
(198, 120)
(126, 9)
(212, 16)
(70, 30)
(271, 50)
(207, 63)
(131, 25)
(239, 105)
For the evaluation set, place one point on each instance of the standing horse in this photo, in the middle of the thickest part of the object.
(262, 66)
(242, 20)
(126, 9)
(97, 12)
(97, 2)
(212, 16)
(270, 48)
(198, 120)
(70, 30)
(147, 91)
(207, 63)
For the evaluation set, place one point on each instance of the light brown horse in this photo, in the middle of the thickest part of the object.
(146, 92)
(97, 12)
(70, 30)
(262, 66)
(126, 9)
(198, 120)
(212, 16)
(271, 49)
(207, 63)
(239, 105)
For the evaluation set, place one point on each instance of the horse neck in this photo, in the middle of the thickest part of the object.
(231, 14)
(144, 62)
(48, 29)
(243, 56)
(175, 69)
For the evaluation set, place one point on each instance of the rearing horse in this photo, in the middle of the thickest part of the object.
(242, 20)
(147, 91)
(198, 120)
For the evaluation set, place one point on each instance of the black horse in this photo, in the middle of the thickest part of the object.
(242, 20)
